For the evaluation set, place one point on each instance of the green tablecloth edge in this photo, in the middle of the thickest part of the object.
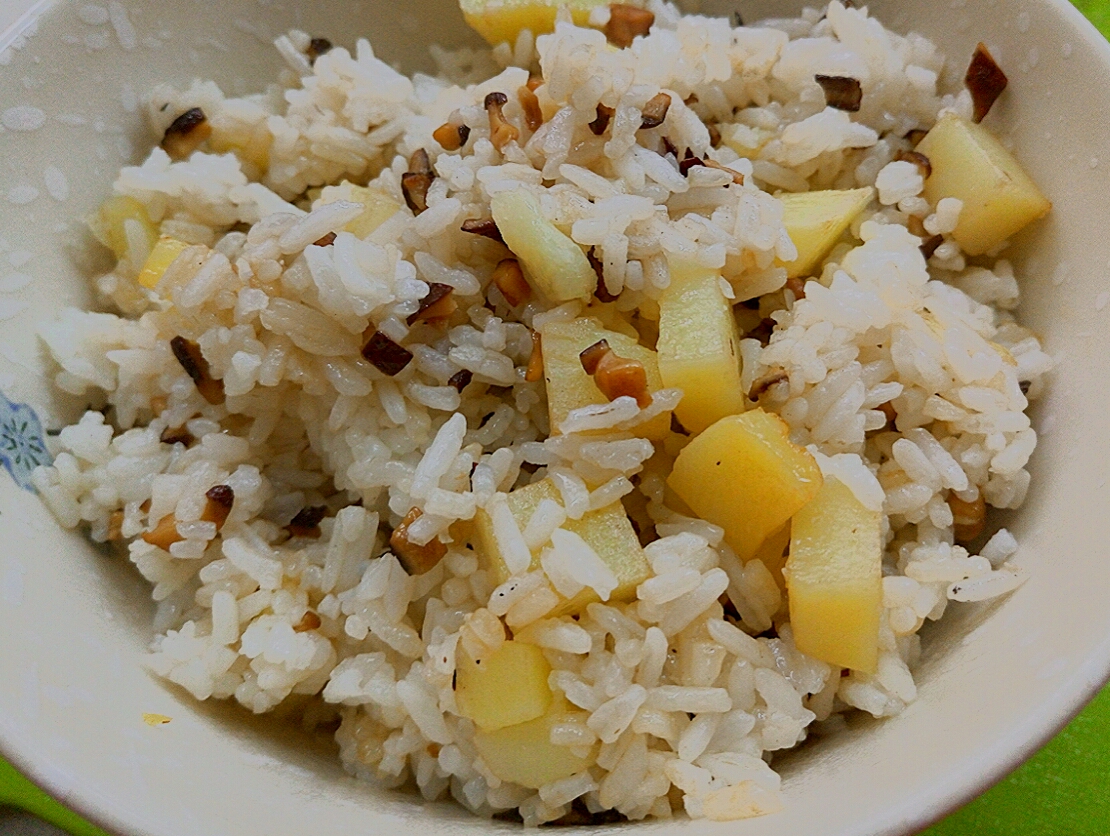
(19, 792)
(1030, 802)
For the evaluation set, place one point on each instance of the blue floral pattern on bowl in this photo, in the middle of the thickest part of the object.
(22, 443)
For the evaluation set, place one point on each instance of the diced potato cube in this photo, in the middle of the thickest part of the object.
(507, 687)
(970, 164)
(503, 20)
(607, 531)
(611, 318)
(554, 265)
(568, 385)
(378, 207)
(834, 577)
(699, 346)
(164, 254)
(525, 755)
(116, 215)
(250, 144)
(816, 220)
(745, 475)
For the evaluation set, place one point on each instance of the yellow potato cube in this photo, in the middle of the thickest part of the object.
(699, 346)
(507, 687)
(611, 318)
(816, 220)
(745, 475)
(378, 207)
(568, 385)
(118, 214)
(970, 164)
(524, 753)
(164, 254)
(607, 531)
(503, 20)
(250, 144)
(554, 265)
(834, 578)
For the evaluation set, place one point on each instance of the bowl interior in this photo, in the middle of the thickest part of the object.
(995, 680)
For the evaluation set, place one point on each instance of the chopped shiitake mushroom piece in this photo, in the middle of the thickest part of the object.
(177, 435)
(534, 372)
(189, 355)
(737, 177)
(416, 559)
(985, 81)
(626, 23)
(437, 307)
(318, 47)
(115, 527)
(699, 346)
(970, 164)
(307, 522)
(384, 354)
(604, 116)
(930, 245)
(417, 180)
(569, 386)
(186, 134)
(501, 130)
(797, 286)
(509, 279)
(503, 688)
(460, 380)
(119, 220)
(745, 475)
(655, 111)
(486, 227)
(969, 518)
(378, 207)
(450, 136)
(218, 504)
(926, 168)
(553, 263)
(309, 621)
(499, 21)
(601, 293)
(834, 579)
(164, 534)
(592, 355)
(217, 507)
(841, 92)
(616, 376)
(530, 104)
(816, 220)
(164, 254)
(607, 531)
(525, 755)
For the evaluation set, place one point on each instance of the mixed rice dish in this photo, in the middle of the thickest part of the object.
(574, 430)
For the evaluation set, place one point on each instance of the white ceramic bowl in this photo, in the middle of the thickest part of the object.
(996, 681)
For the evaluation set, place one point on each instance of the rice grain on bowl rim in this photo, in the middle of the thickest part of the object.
(251, 613)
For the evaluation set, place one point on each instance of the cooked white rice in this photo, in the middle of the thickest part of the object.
(686, 704)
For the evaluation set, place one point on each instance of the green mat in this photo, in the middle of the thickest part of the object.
(1063, 791)
(17, 791)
